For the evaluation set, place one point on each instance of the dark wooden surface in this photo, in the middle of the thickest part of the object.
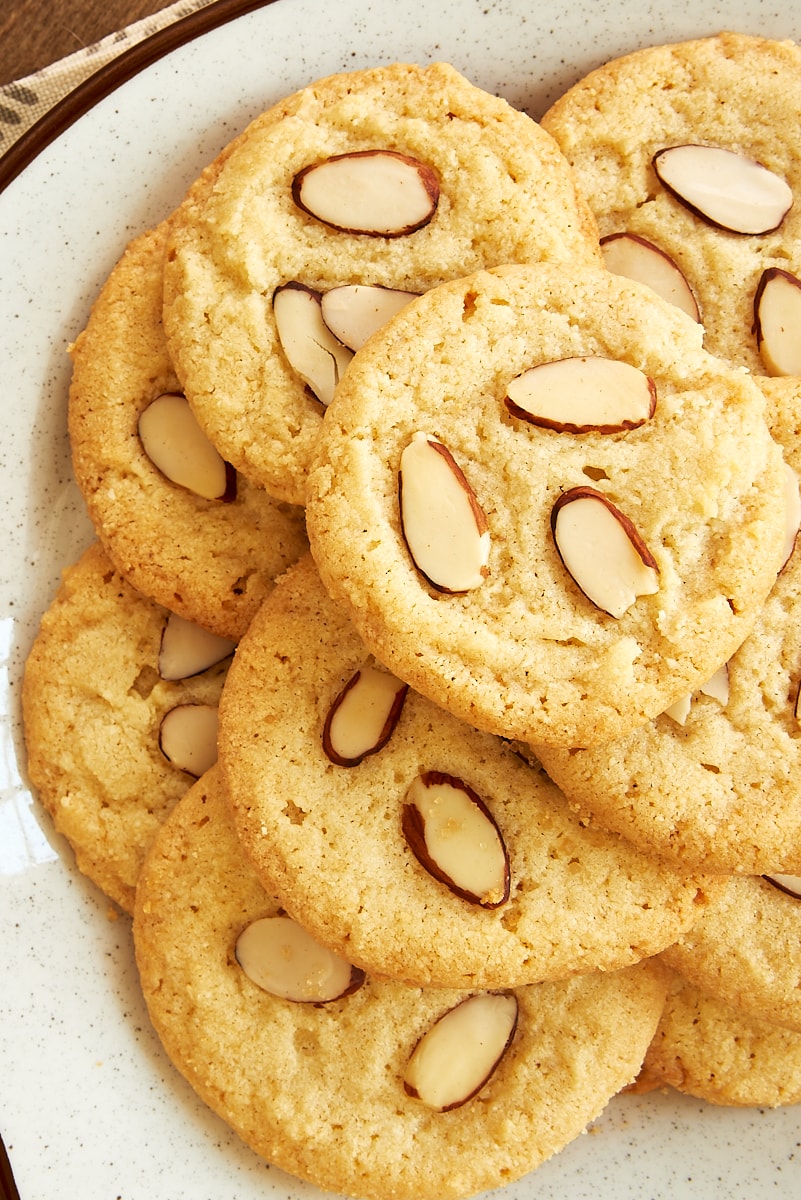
(36, 33)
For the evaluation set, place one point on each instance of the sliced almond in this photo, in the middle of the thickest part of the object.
(602, 550)
(636, 258)
(355, 311)
(363, 716)
(187, 649)
(282, 958)
(188, 737)
(443, 523)
(377, 192)
(791, 884)
(777, 321)
(454, 1060)
(716, 687)
(583, 395)
(727, 189)
(453, 834)
(792, 495)
(178, 447)
(315, 355)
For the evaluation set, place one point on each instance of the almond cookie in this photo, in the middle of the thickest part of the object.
(177, 521)
(708, 1049)
(320, 1082)
(687, 155)
(435, 177)
(558, 566)
(713, 783)
(114, 684)
(743, 950)
(415, 845)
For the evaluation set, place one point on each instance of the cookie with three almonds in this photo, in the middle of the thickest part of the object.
(687, 156)
(119, 705)
(416, 846)
(336, 206)
(545, 505)
(712, 783)
(178, 521)
(340, 1085)
(743, 950)
(708, 1049)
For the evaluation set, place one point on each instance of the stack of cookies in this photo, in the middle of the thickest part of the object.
(441, 617)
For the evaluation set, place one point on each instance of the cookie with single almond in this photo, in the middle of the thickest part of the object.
(360, 1084)
(545, 505)
(181, 524)
(336, 206)
(119, 704)
(414, 844)
(708, 1049)
(687, 156)
(713, 781)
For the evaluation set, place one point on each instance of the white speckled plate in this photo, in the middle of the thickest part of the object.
(89, 1106)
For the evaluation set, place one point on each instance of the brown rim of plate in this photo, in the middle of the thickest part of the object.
(109, 77)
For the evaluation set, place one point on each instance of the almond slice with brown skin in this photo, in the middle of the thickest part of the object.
(454, 1060)
(777, 321)
(602, 550)
(176, 445)
(317, 357)
(377, 192)
(364, 714)
(355, 311)
(583, 395)
(188, 737)
(282, 958)
(725, 188)
(791, 884)
(452, 833)
(443, 523)
(634, 257)
(187, 649)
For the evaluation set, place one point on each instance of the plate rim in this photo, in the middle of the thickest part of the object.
(106, 79)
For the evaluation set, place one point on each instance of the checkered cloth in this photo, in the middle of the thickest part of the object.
(23, 102)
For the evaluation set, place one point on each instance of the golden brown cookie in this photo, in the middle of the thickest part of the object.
(100, 679)
(424, 849)
(183, 527)
(318, 1089)
(669, 132)
(564, 635)
(493, 187)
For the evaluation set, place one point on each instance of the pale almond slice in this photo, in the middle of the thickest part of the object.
(376, 192)
(602, 550)
(679, 711)
(187, 649)
(443, 523)
(355, 311)
(456, 1058)
(361, 719)
(727, 189)
(583, 395)
(777, 321)
(188, 737)
(282, 958)
(450, 830)
(791, 884)
(792, 495)
(178, 447)
(317, 357)
(634, 257)
(717, 686)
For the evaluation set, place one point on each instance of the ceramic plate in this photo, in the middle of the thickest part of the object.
(89, 1105)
